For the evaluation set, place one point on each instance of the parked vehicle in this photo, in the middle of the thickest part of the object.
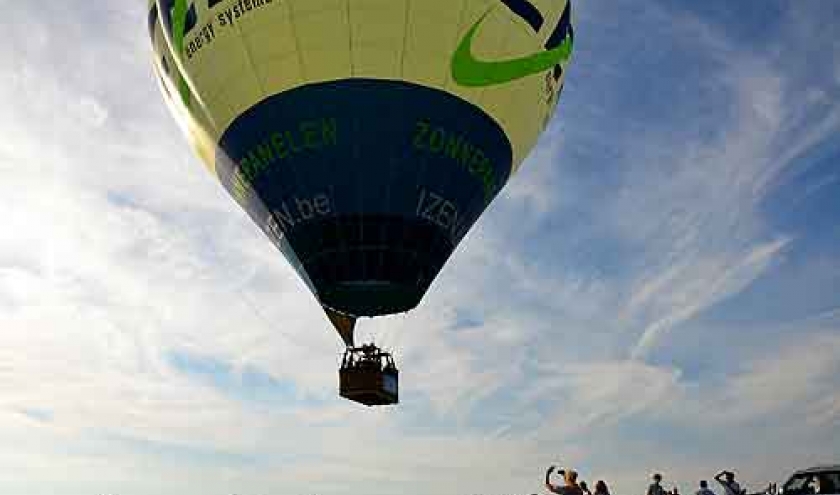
(822, 480)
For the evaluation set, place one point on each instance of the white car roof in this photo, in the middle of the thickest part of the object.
(818, 469)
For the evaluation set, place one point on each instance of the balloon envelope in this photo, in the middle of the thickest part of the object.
(364, 137)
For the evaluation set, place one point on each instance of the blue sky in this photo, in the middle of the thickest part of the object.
(658, 289)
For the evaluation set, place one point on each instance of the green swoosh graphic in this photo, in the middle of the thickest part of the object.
(179, 22)
(469, 71)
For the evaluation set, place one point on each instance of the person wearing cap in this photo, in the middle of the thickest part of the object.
(569, 487)
(730, 486)
(655, 488)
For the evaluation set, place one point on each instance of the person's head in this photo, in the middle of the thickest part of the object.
(730, 476)
(583, 485)
(675, 491)
(657, 478)
(703, 484)
(823, 485)
(571, 477)
(601, 488)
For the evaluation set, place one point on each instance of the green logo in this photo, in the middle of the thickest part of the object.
(469, 71)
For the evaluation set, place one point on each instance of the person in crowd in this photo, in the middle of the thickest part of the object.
(704, 489)
(655, 488)
(730, 486)
(585, 488)
(569, 486)
(824, 486)
(601, 488)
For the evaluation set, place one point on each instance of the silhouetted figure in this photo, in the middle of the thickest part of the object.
(601, 488)
(730, 486)
(704, 489)
(655, 488)
(825, 486)
(569, 486)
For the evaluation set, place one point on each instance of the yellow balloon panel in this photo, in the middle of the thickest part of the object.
(237, 52)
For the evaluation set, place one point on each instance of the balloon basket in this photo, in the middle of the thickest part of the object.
(369, 376)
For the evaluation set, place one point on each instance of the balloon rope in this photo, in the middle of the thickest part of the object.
(251, 306)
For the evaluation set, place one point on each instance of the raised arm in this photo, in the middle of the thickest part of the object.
(548, 485)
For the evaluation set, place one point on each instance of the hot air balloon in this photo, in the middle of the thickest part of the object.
(364, 137)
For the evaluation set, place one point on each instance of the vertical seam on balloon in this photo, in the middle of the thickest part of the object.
(350, 39)
(481, 198)
(458, 28)
(250, 58)
(342, 244)
(512, 166)
(393, 170)
(406, 26)
(505, 44)
(405, 38)
(391, 173)
(444, 189)
(512, 128)
(359, 198)
(198, 100)
(305, 277)
(297, 42)
(363, 260)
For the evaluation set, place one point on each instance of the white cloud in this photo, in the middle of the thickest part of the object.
(699, 284)
(700, 221)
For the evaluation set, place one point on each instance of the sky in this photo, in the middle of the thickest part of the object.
(656, 290)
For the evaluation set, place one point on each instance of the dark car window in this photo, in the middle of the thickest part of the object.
(813, 483)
